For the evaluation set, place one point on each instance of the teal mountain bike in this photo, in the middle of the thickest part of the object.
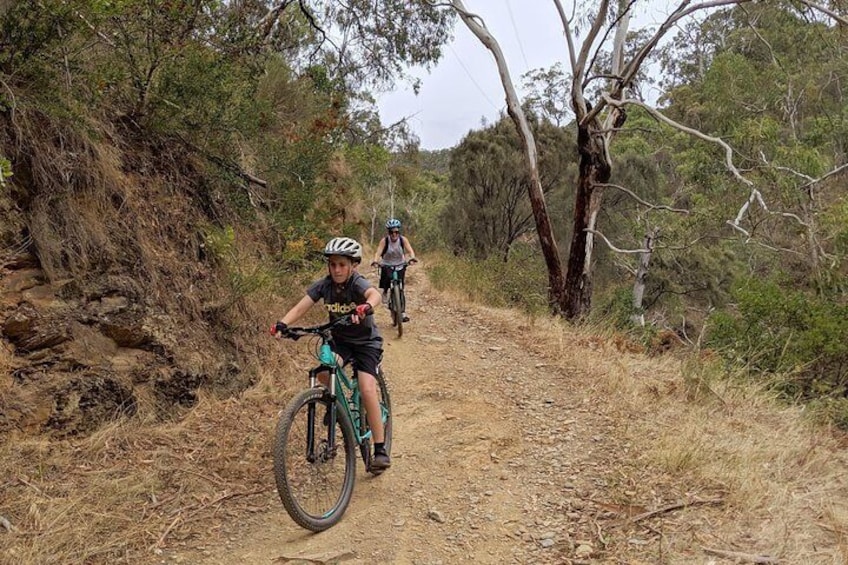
(318, 434)
(397, 297)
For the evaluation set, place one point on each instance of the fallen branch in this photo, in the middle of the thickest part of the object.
(225, 164)
(675, 506)
(7, 524)
(743, 556)
(186, 513)
(832, 529)
(325, 559)
(161, 540)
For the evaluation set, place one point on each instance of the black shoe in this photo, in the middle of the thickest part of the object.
(405, 317)
(380, 461)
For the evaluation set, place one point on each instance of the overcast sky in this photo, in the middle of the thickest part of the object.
(464, 88)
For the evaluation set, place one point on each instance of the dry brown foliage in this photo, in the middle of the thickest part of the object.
(139, 485)
(697, 432)
(690, 434)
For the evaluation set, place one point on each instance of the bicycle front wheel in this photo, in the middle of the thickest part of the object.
(397, 309)
(314, 479)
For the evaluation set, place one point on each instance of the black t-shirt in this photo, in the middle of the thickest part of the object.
(343, 300)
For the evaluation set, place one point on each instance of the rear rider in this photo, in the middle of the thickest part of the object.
(393, 250)
(345, 291)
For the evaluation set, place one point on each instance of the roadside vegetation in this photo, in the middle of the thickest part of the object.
(169, 171)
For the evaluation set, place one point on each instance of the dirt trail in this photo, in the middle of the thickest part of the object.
(497, 456)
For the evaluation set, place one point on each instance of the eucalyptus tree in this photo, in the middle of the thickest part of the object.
(489, 210)
(599, 98)
(267, 93)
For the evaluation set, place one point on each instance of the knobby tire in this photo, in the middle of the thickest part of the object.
(294, 474)
(397, 309)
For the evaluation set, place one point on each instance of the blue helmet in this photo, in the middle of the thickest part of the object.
(392, 223)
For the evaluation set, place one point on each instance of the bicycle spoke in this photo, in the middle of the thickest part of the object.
(315, 485)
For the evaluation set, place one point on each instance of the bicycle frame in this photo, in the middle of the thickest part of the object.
(350, 397)
(396, 270)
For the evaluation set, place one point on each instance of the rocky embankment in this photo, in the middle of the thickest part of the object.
(78, 354)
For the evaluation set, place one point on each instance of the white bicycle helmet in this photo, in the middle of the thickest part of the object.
(392, 223)
(344, 246)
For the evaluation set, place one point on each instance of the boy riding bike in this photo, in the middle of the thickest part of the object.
(345, 291)
(393, 250)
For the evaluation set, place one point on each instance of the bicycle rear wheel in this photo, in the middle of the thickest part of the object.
(397, 309)
(386, 415)
(315, 482)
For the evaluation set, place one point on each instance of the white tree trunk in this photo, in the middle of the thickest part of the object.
(544, 229)
(638, 316)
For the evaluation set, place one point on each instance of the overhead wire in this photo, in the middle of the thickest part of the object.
(517, 37)
(467, 72)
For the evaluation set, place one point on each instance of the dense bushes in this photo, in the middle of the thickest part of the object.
(521, 282)
(777, 331)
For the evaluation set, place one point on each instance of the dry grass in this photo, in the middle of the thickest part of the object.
(131, 488)
(139, 485)
(693, 433)
(706, 434)
(134, 487)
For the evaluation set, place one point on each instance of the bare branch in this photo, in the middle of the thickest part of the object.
(785, 169)
(737, 556)
(640, 201)
(675, 506)
(613, 247)
(566, 27)
(225, 164)
(314, 25)
(728, 151)
(620, 25)
(756, 32)
(630, 70)
(824, 10)
(740, 229)
(100, 34)
(749, 239)
(778, 249)
(757, 196)
(372, 136)
(266, 24)
(835, 171)
(580, 70)
(625, 267)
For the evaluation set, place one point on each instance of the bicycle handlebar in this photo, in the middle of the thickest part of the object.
(396, 267)
(295, 333)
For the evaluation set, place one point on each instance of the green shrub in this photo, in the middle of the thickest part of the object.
(800, 336)
(520, 282)
(614, 308)
(830, 410)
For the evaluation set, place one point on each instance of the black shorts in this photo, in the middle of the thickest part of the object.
(363, 358)
(386, 277)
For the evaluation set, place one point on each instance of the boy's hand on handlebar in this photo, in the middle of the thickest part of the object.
(413, 261)
(361, 312)
(279, 329)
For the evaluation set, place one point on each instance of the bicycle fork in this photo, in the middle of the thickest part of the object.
(330, 416)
